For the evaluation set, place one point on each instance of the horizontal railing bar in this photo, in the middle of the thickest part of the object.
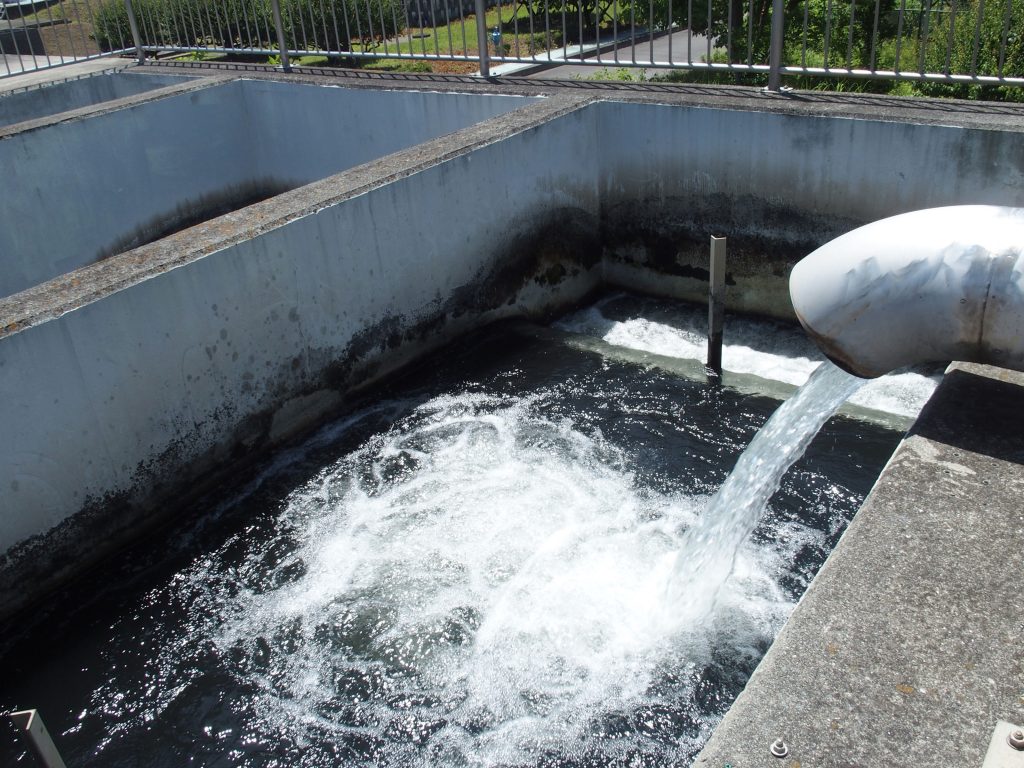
(931, 77)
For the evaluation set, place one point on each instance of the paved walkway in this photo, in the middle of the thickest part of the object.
(680, 46)
(27, 72)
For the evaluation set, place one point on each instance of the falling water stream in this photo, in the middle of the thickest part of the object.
(708, 552)
(471, 571)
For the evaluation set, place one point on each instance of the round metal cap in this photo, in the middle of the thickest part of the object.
(1016, 739)
(779, 748)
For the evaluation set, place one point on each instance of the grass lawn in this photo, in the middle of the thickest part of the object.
(459, 37)
(67, 30)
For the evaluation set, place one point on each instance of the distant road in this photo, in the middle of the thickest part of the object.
(676, 43)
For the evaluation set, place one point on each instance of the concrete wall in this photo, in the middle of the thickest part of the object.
(112, 407)
(306, 132)
(88, 187)
(777, 185)
(72, 94)
(190, 353)
(94, 187)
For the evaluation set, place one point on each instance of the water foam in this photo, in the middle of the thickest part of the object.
(483, 577)
(471, 579)
(763, 348)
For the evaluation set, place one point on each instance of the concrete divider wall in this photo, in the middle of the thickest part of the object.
(306, 132)
(71, 94)
(147, 386)
(110, 408)
(94, 187)
(86, 187)
(777, 185)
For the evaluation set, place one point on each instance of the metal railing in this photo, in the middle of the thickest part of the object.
(934, 43)
(41, 34)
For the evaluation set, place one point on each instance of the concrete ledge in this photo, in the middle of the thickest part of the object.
(906, 649)
(63, 96)
(192, 83)
(919, 111)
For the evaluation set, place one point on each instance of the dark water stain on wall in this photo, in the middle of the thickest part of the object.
(196, 211)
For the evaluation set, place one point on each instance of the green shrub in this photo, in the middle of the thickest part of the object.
(187, 23)
(333, 25)
(991, 24)
(328, 25)
(111, 29)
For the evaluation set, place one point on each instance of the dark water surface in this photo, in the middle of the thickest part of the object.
(471, 570)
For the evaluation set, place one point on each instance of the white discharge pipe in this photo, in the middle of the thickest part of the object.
(931, 285)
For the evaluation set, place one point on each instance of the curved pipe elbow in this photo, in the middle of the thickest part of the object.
(931, 285)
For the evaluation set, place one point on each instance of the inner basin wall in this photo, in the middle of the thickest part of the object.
(93, 187)
(114, 410)
(778, 185)
(116, 407)
(54, 98)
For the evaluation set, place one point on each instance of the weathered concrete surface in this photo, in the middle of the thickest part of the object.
(131, 173)
(907, 647)
(63, 96)
(125, 384)
(778, 186)
(779, 177)
(778, 174)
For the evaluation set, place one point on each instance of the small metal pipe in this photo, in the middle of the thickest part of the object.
(133, 23)
(716, 304)
(282, 43)
(31, 725)
(481, 37)
(777, 41)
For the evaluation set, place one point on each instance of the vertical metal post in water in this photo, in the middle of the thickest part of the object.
(716, 304)
(282, 44)
(133, 23)
(775, 51)
(481, 37)
(31, 724)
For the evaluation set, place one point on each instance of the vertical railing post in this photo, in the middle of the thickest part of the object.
(282, 43)
(777, 42)
(133, 23)
(31, 724)
(481, 38)
(716, 304)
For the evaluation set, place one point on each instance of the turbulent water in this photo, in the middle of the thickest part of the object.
(470, 571)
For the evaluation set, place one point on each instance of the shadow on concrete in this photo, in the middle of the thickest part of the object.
(977, 413)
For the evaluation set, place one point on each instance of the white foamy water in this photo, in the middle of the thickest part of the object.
(761, 348)
(482, 576)
(709, 549)
(476, 580)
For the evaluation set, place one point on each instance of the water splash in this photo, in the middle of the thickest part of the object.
(709, 549)
(771, 350)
